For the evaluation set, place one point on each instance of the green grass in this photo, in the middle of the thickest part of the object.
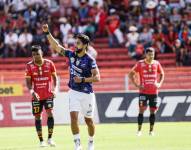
(168, 136)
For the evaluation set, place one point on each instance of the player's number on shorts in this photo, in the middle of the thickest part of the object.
(36, 109)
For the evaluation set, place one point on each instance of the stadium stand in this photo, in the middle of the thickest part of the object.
(114, 59)
(114, 65)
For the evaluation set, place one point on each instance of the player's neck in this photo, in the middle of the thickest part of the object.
(39, 62)
(149, 61)
(81, 54)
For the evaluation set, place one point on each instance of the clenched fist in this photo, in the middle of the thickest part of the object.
(45, 28)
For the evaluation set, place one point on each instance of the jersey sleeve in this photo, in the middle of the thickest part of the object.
(53, 68)
(28, 72)
(136, 67)
(93, 64)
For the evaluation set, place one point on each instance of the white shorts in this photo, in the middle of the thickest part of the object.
(79, 101)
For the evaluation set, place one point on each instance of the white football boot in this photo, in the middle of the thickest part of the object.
(91, 145)
(77, 144)
(43, 144)
(139, 133)
(51, 143)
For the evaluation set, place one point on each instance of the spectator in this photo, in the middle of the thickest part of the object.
(139, 50)
(169, 39)
(65, 28)
(146, 37)
(178, 49)
(114, 33)
(83, 10)
(30, 16)
(132, 39)
(25, 40)
(90, 30)
(175, 17)
(2, 45)
(11, 39)
(158, 39)
(184, 34)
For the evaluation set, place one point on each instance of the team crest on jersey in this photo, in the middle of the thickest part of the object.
(142, 64)
(34, 73)
(77, 62)
(72, 59)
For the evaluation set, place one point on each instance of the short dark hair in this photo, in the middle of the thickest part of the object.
(149, 49)
(84, 38)
(35, 48)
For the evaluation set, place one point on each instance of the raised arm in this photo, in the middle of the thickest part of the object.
(53, 42)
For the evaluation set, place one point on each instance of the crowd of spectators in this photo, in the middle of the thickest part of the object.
(135, 24)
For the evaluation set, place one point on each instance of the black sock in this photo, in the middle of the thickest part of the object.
(152, 121)
(39, 129)
(140, 121)
(50, 123)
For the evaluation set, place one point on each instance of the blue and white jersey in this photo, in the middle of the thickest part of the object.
(81, 67)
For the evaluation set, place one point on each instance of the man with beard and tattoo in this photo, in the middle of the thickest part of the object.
(83, 71)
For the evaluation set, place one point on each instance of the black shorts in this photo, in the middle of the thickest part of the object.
(145, 99)
(37, 106)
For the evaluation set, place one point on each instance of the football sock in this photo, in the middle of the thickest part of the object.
(77, 138)
(152, 121)
(50, 123)
(39, 129)
(140, 121)
(91, 138)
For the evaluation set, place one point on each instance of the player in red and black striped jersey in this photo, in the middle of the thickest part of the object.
(148, 71)
(40, 76)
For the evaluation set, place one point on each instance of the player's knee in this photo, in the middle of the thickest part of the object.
(37, 117)
(142, 109)
(89, 121)
(74, 120)
(49, 113)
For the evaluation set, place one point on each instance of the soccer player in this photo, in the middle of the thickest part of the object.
(39, 75)
(148, 71)
(83, 71)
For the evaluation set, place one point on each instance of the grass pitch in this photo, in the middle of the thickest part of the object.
(168, 136)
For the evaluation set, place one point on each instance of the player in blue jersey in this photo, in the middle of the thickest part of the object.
(83, 71)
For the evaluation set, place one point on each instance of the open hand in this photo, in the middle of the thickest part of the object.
(36, 96)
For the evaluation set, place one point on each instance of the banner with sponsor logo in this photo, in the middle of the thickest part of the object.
(123, 107)
(11, 90)
(109, 108)
(17, 111)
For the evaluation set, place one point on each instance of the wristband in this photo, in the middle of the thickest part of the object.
(47, 33)
(31, 91)
(83, 80)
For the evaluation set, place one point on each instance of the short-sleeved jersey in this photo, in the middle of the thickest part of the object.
(41, 77)
(81, 67)
(148, 74)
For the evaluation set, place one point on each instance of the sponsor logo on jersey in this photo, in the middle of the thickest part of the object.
(72, 59)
